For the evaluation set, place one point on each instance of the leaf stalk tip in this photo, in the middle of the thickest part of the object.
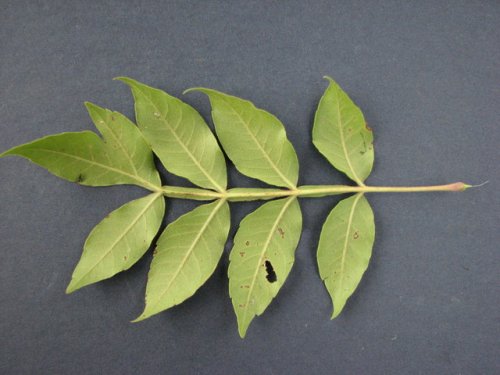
(467, 186)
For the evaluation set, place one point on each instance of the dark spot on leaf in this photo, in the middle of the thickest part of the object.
(367, 127)
(281, 232)
(80, 178)
(271, 275)
(125, 257)
(355, 235)
(246, 286)
(241, 305)
(242, 253)
(247, 243)
(112, 117)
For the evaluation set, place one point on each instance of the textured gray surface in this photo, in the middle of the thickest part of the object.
(426, 75)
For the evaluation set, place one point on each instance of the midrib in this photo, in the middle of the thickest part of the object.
(195, 161)
(263, 253)
(266, 156)
(189, 252)
(344, 147)
(142, 181)
(344, 250)
(154, 197)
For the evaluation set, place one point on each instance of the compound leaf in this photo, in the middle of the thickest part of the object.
(119, 240)
(341, 134)
(186, 255)
(345, 248)
(179, 136)
(253, 139)
(82, 157)
(262, 256)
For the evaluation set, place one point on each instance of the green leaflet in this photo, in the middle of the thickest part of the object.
(253, 139)
(119, 240)
(341, 134)
(130, 150)
(262, 256)
(186, 255)
(83, 157)
(345, 247)
(179, 136)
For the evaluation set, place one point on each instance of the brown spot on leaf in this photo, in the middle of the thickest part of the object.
(79, 179)
(368, 127)
(241, 305)
(112, 117)
(281, 232)
(125, 257)
(355, 235)
(247, 243)
(242, 253)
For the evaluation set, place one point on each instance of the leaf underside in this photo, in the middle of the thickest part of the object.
(253, 139)
(186, 255)
(341, 134)
(122, 157)
(179, 136)
(345, 248)
(262, 257)
(189, 249)
(119, 241)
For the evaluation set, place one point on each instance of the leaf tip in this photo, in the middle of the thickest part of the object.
(242, 330)
(338, 306)
(71, 287)
(329, 79)
(144, 315)
(11, 151)
(243, 324)
(192, 89)
(127, 80)
(140, 318)
(90, 105)
(335, 313)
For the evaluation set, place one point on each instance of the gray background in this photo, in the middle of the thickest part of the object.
(425, 74)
